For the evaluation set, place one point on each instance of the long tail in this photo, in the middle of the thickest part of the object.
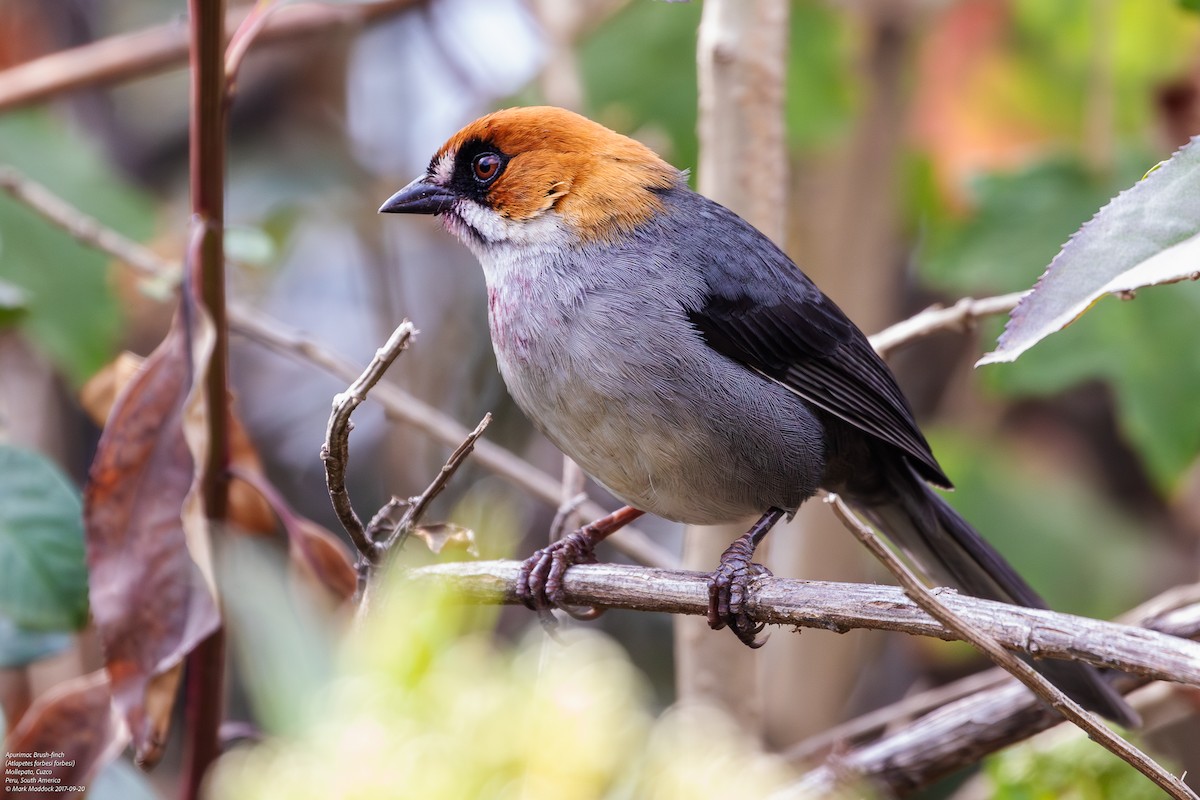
(922, 524)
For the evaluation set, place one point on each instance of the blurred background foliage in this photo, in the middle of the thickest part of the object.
(1012, 121)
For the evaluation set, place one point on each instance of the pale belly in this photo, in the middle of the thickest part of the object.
(675, 430)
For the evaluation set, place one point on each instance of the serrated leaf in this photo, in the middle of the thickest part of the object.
(1145, 236)
(43, 580)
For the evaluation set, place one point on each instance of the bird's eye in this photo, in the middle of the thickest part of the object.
(486, 167)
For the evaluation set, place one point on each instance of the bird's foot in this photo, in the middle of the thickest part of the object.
(728, 591)
(540, 579)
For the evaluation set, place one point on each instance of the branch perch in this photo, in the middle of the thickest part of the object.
(840, 607)
(991, 647)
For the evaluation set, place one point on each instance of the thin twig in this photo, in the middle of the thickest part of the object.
(903, 710)
(416, 510)
(992, 648)
(86, 229)
(205, 665)
(963, 315)
(566, 517)
(335, 453)
(146, 52)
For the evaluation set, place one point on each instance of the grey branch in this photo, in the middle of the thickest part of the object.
(841, 607)
(335, 453)
(963, 316)
(1020, 670)
(936, 744)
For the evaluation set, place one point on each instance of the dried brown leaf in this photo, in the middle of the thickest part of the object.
(75, 730)
(317, 553)
(323, 557)
(442, 535)
(248, 511)
(151, 603)
(100, 392)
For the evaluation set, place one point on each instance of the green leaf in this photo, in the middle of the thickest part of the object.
(1020, 221)
(639, 71)
(14, 302)
(820, 92)
(43, 577)
(1147, 235)
(1069, 767)
(1145, 350)
(72, 315)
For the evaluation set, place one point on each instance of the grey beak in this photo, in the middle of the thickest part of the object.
(419, 197)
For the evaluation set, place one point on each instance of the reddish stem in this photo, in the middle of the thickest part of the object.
(205, 666)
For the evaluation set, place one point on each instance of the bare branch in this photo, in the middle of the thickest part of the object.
(992, 648)
(961, 316)
(85, 229)
(841, 607)
(335, 453)
(938, 743)
(979, 719)
(416, 510)
(142, 53)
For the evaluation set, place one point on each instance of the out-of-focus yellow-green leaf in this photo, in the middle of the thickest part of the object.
(1073, 768)
(821, 92)
(1138, 43)
(639, 72)
(426, 705)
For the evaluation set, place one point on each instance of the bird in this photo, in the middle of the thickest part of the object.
(688, 365)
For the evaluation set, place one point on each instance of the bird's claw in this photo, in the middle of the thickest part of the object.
(540, 579)
(728, 591)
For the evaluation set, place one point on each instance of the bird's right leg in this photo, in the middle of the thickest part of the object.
(540, 580)
(729, 585)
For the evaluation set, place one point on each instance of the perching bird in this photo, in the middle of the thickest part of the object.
(676, 354)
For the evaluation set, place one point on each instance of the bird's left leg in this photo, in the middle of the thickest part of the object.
(539, 582)
(727, 588)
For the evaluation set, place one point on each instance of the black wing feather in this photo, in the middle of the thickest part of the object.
(811, 347)
(782, 326)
